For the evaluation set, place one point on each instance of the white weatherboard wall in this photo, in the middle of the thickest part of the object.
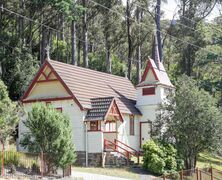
(149, 99)
(124, 132)
(76, 116)
(95, 142)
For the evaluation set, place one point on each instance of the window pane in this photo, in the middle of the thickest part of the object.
(149, 91)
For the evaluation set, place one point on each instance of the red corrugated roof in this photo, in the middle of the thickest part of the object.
(86, 84)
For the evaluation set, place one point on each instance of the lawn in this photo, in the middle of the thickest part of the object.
(117, 172)
(206, 160)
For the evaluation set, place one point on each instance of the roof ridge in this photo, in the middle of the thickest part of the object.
(84, 68)
(108, 97)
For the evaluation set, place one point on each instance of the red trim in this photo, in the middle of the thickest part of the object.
(141, 132)
(94, 131)
(49, 75)
(46, 63)
(48, 103)
(148, 66)
(132, 125)
(59, 109)
(44, 75)
(47, 99)
(65, 86)
(172, 87)
(117, 108)
(125, 145)
(110, 132)
(48, 80)
(34, 81)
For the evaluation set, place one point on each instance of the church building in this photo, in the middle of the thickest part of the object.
(108, 113)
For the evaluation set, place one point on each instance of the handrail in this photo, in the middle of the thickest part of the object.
(115, 149)
(117, 146)
(137, 153)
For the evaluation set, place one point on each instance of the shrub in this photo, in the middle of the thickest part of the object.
(160, 157)
(11, 158)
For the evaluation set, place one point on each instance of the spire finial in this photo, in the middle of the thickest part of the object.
(48, 52)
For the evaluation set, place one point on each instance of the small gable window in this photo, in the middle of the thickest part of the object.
(94, 126)
(148, 91)
(132, 123)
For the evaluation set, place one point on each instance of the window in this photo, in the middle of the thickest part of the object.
(110, 126)
(132, 125)
(148, 91)
(94, 126)
(59, 109)
(48, 103)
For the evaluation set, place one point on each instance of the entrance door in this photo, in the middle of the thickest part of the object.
(145, 132)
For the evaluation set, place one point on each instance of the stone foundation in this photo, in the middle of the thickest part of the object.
(94, 159)
(81, 158)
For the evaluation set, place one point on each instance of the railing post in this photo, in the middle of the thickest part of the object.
(200, 176)
(197, 173)
(181, 174)
(115, 143)
(164, 177)
(3, 151)
(211, 172)
(104, 144)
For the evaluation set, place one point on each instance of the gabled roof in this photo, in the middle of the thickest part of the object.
(84, 84)
(160, 75)
(101, 108)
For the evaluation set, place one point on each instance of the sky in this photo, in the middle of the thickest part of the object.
(170, 8)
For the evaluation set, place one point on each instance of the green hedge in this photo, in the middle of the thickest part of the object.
(160, 158)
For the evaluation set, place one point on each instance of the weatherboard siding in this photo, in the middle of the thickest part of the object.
(124, 132)
(75, 115)
(48, 90)
(95, 142)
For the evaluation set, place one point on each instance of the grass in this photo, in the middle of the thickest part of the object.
(117, 172)
(207, 160)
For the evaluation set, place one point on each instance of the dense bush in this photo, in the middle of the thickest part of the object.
(160, 157)
(11, 158)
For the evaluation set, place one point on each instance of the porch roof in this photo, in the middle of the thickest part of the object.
(100, 107)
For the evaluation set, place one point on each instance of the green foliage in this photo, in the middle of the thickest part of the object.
(8, 114)
(11, 158)
(160, 157)
(19, 66)
(49, 131)
(191, 120)
(98, 63)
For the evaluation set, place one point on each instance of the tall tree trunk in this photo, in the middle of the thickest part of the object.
(129, 36)
(21, 20)
(85, 36)
(43, 44)
(62, 27)
(158, 14)
(73, 34)
(29, 37)
(108, 59)
(138, 50)
(79, 53)
(1, 14)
